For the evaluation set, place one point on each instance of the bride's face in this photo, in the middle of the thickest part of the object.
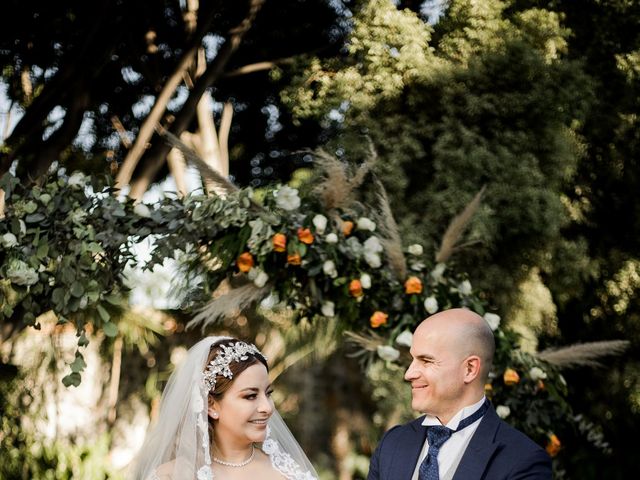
(245, 408)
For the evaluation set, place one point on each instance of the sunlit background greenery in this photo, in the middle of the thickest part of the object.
(536, 101)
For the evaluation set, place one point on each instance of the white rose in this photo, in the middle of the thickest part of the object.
(8, 240)
(431, 304)
(328, 309)
(373, 245)
(503, 411)
(329, 268)
(365, 280)
(438, 271)
(270, 301)
(387, 352)
(536, 373)
(373, 259)
(77, 180)
(287, 198)
(365, 223)
(331, 238)
(417, 266)
(465, 288)
(142, 210)
(493, 320)
(20, 273)
(261, 279)
(415, 249)
(405, 339)
(372, 248)
(320, 222)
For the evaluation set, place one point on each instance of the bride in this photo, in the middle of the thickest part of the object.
(217, 421)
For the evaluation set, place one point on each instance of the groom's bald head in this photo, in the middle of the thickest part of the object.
(466, 333)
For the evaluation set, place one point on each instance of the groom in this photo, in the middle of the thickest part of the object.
(460, 437)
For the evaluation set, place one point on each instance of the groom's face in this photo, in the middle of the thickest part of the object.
(435, 372)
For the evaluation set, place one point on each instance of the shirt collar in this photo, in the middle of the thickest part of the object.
(430, 420)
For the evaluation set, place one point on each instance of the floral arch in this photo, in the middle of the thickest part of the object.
(65, 245)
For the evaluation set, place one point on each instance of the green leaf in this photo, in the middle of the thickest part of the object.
(7, 311)
(113, 299)
(43, 250)
(94, 247)
(93, 296)
(83, 341)
(197, 214)
(30, 207)
(34, 218)
(104, 315)
(78, 364)
(72, 380)
(110, 329)
(58, 296)
(77, 289)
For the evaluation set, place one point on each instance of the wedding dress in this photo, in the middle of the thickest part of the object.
(177, 448)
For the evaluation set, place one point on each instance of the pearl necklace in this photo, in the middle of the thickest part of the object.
(236, 465)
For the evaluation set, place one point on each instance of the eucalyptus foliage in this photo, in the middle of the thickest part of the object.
(65, 248)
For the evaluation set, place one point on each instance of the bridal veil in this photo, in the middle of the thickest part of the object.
(178, 444)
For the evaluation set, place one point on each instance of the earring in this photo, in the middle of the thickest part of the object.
(215, 414)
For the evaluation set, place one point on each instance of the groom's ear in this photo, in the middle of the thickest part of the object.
(472, 365)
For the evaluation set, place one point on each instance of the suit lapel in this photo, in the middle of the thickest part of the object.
(481, 448)
(407, 452)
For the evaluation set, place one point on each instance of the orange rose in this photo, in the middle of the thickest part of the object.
(279, 242)
(553, 445)
(294, 259)
(378, 318)
(347, 227)
(305, 235)
(488, 389)
(413, 285)
(245, 262)
(510, 377)
(355, 288)
(540, 385)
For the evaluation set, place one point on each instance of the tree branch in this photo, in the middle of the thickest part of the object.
(258, 66)
(52, 148)
(146, 130)
(157, 155)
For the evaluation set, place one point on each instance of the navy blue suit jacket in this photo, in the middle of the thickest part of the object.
(496, 451)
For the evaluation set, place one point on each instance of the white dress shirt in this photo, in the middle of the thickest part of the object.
(452, 450)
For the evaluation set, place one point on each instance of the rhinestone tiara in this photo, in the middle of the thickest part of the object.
(234, 352)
